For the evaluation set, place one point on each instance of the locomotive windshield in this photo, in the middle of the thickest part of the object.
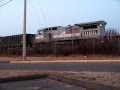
(40, 32)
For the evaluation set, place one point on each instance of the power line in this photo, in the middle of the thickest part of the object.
(36, 12)
(5, 3)
(42, 13)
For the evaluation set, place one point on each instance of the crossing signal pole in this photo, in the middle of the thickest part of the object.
(24, 30)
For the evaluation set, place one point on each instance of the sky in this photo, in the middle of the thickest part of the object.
(47, 13)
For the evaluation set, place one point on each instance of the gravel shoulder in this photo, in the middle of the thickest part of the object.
(106, 78)
(55, 58)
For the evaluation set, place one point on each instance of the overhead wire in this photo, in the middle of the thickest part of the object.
(5, 3)
(36, 13)
(42, 13)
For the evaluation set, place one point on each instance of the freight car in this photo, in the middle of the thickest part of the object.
(12, 45)
(94, 29)
(0, 40)
(16, 39)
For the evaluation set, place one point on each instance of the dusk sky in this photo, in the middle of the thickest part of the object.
(45, 13)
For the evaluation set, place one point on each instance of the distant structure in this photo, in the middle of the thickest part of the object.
(0, 40)
(94, 29)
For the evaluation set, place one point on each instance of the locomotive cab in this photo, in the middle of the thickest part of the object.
(47, 34)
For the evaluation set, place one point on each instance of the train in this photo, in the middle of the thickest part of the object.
(80, 38)
(94, 29)
(16, 40)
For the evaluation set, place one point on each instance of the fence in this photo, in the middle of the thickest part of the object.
(106, 45)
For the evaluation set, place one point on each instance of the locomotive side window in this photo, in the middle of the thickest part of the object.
(40, 33)
(49, 29)
(90, 27)
(46, 29)
(54, 28)
(96, 31)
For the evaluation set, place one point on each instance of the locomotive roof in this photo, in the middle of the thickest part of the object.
(51, 27)
(17, 35)
(94, 22)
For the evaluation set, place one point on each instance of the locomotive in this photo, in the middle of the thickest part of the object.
(94, 29)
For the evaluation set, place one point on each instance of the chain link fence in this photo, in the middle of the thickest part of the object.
(93, 46)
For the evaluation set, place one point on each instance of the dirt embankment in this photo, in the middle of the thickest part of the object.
(106, 78)
(90, 80)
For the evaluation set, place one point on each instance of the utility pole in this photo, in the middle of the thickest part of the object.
(24, 30)
(118, 43)
(24, 27)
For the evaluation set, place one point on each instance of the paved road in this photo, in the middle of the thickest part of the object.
(99, 67)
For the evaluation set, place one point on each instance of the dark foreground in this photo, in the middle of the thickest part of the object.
(39, 84)
(77, 67)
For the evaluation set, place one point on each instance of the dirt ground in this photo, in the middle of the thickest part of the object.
(53, 57)
(106, 78)
(39, 84)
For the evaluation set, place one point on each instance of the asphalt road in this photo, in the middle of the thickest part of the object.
(77, 67)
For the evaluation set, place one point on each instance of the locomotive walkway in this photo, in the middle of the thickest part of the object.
(55, 59)
(66, 61)
(59, 61)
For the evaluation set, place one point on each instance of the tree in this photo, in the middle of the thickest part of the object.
(111, 32)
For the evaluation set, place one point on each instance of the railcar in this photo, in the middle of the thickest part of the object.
(16, 39)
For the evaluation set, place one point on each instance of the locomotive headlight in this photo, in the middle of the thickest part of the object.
(102, 41)
(37, 37)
